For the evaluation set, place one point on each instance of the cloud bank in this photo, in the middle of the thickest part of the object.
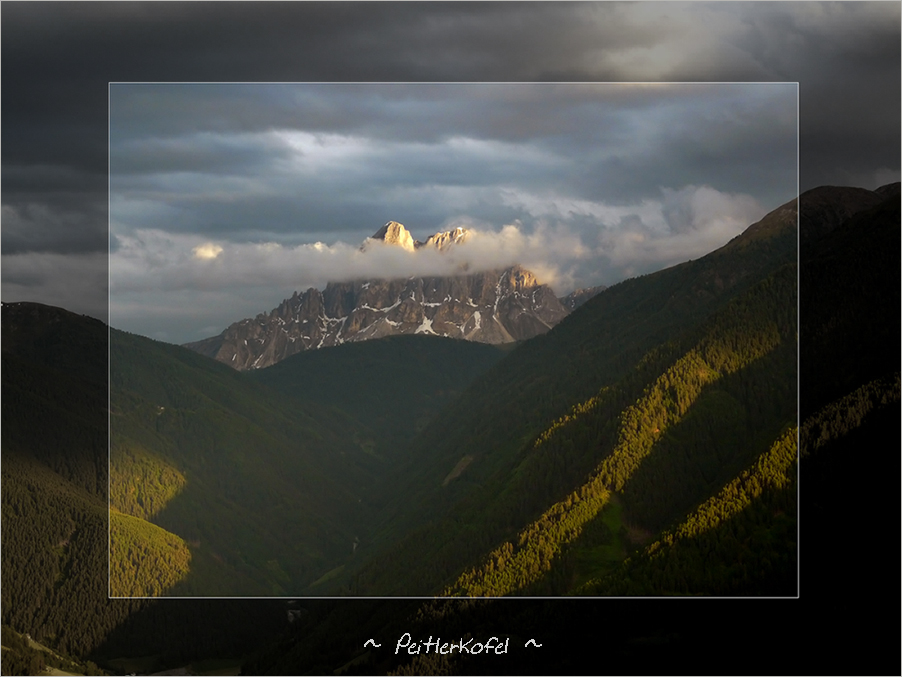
(154, 272)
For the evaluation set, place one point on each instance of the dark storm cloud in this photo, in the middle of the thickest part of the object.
(59, 57)
(395, 148)
(206, 152)
(846, 57)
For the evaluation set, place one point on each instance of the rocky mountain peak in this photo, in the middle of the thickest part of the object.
(517, 278)
(395, 233)
(446, 239)
(577, 297)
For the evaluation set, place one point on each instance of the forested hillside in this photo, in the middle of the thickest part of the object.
(394, 386)
(259, 484)
(540, 441)
(716, 408)
(263, 493)
(547, 476)
(841, 443)
(55, 513)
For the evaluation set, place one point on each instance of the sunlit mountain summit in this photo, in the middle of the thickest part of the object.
(394, 233)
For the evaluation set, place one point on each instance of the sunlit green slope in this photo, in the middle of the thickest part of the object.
(689, 431)
(614, 389)
(146, 560)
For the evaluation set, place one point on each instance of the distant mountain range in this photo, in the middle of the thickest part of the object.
(496, 306)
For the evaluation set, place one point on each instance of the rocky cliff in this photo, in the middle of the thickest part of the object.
(497, 306)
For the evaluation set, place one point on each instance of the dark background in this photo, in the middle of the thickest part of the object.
(58, 59)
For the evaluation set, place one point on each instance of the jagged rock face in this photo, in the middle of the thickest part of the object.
(444, 240)
(396, 234)
(490, 307)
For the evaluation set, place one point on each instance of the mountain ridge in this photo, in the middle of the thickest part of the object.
(490, 307)
(620, 341)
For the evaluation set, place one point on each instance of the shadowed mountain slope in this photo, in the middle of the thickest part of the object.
(472, 461)
(393, 386)
(55, 509)
(652, 636)
(273, 491)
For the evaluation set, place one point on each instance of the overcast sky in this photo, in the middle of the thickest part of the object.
(225, 199)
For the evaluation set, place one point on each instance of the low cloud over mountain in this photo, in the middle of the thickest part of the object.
(186, 286)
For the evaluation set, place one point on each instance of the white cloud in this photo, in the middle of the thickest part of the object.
(560, 207)
(207, 251)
